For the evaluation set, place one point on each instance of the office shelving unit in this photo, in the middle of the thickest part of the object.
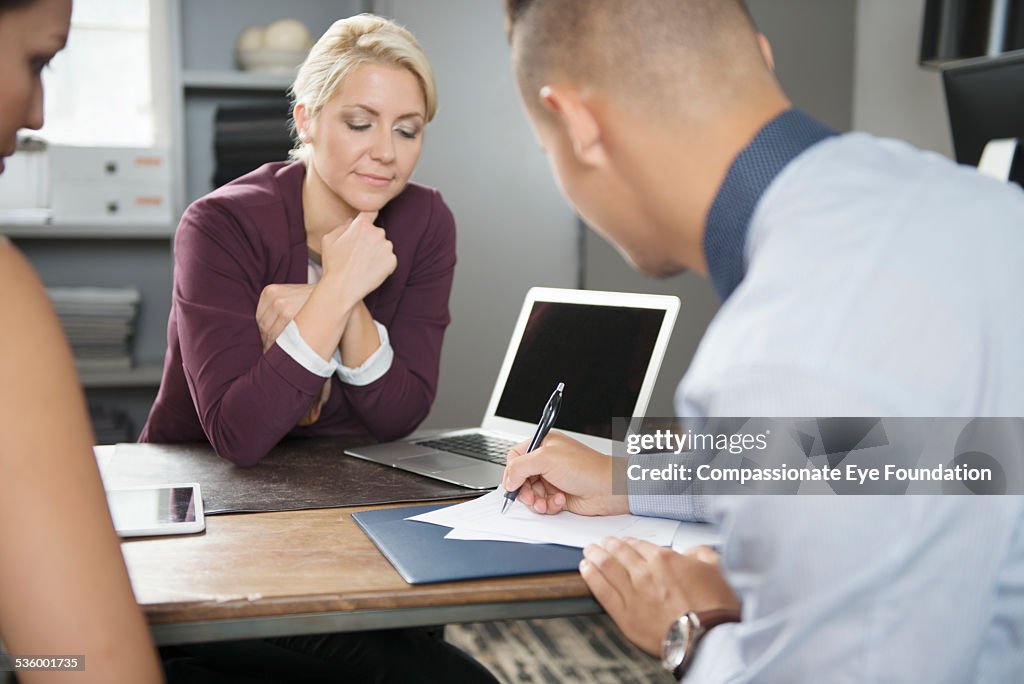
(202, 75)
(215, 81)
(90, 232)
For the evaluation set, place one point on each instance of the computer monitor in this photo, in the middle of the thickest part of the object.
(985, 98)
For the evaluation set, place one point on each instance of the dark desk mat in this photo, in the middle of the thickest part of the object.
(297, 474)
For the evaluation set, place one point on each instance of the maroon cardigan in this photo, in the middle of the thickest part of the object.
(219, 386)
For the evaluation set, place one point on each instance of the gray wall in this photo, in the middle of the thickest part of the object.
(814, 44)
(514, 229)
(893, 96)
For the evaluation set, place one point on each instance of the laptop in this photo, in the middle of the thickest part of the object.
(606, 347)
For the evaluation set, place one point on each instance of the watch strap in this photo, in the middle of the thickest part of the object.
(719, 616)
(702, 622)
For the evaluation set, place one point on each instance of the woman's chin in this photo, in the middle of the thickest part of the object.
(369, 202)
(369, 206)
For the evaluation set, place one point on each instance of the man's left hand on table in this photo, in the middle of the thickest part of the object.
(645, 588)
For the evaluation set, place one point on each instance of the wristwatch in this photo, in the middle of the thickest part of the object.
(679, 647)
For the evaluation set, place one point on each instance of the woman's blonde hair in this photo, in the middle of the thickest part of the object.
(347, 45)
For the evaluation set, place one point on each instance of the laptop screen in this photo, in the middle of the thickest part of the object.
(601, 353)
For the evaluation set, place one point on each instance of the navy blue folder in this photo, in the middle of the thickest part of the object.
(422, 555)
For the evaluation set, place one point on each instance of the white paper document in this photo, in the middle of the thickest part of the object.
(688, 535)
(483, 516)
(473, 535)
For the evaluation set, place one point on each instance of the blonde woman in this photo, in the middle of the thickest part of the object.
(311, 296)
(63, 584)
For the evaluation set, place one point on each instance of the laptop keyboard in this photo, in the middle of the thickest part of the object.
(474, 445)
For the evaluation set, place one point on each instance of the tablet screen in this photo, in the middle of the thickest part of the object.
(175, 509)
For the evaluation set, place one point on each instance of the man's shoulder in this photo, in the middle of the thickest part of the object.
(885, 199)
(879, 269)
(886, 167)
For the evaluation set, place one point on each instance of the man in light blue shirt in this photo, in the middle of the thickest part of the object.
(859, 277)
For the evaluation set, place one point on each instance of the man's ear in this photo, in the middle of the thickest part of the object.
(574, 113)
(766, 51)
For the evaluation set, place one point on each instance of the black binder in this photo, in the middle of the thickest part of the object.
(422, 555)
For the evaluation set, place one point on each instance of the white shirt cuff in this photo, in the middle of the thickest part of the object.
(373, 368)
(290, 340)
(718, 658)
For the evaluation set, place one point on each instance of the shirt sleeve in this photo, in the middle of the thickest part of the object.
(393, 405)
(295, 346)
(718, 659)
(846, 588)
(374, 367)
(749, 391)
(246, 400)
(665, 498)
(784, 390)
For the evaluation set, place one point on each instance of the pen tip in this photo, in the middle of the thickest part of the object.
(504, 506)
(560, 387)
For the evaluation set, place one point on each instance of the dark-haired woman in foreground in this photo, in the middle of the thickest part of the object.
(64, 589)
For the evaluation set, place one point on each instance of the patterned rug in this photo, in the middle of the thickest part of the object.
(588, 649)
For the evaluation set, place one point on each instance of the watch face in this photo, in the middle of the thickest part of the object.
(673, 649)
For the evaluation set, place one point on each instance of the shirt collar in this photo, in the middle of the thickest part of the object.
(777, 144)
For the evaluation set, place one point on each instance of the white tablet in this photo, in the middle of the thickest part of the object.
(157, 509)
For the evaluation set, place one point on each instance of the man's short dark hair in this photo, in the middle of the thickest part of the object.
(569, 9)
(514, 9)
(646, 50)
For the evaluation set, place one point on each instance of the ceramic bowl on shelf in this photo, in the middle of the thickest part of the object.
(271, 61)
(278, 47)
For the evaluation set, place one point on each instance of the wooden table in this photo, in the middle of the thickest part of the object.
(314, 571)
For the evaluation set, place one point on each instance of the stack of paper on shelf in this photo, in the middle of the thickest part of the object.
(245, 138)
(481, 519)
(99, 323)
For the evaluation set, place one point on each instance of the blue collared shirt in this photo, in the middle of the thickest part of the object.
(862, 277)
(781, 141)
